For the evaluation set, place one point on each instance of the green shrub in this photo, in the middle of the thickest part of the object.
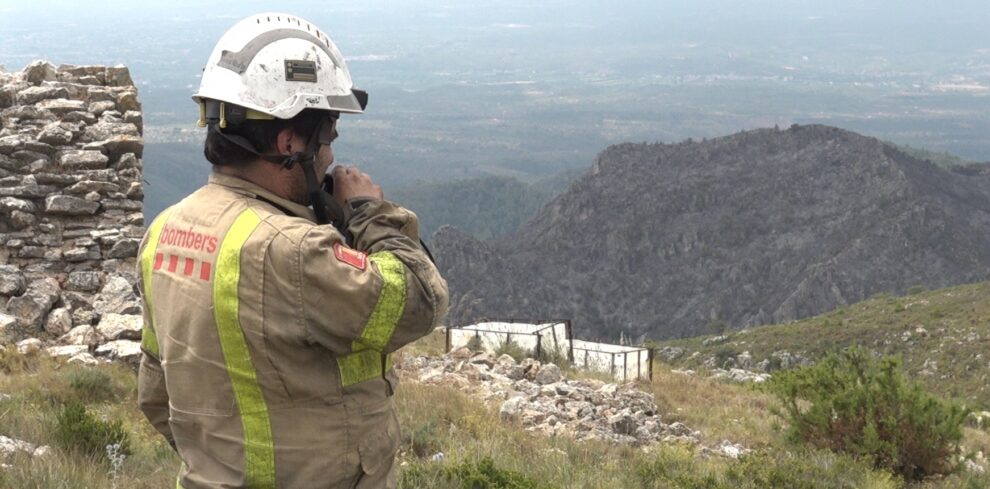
(512, 349)
(474, 344)
(484, 474)
(675, 469)
(916, 289)
(555, 357)
(92, 385)
(854, 403)
(79, 431)
(725, 357)
(424, 439)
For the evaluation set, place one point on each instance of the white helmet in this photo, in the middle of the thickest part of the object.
(275, 66)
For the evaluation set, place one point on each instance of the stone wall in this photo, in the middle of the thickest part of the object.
(70, 199)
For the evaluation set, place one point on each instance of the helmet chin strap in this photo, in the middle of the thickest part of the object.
(326, 209)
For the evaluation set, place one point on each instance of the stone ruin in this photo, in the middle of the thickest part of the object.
(70, 210)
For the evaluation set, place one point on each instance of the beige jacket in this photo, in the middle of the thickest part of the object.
(267, 336)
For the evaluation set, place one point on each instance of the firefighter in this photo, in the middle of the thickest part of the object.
(271, 307)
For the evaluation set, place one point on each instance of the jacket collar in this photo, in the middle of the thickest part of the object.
(254, 191)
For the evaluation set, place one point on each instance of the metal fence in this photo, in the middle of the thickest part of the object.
(543, 338)
(536, 338)
(621, 362)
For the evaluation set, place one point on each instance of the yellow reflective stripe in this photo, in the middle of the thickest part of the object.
(359, 367)
(148, 339)
(259, 448)
(391, 302)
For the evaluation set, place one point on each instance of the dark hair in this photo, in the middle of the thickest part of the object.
(262, 134)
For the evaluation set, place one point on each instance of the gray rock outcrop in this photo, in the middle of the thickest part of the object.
(761, 227)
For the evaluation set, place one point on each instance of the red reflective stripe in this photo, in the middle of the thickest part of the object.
(187, 271)
(159, 258)
(173, 263)
(204, 270)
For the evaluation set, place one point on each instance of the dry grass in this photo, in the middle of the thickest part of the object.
(720, 410)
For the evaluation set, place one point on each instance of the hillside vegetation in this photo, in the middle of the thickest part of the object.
(943, 337)
(454, 444)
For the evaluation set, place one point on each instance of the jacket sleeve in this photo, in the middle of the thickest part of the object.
(380, 294)
(152, 395)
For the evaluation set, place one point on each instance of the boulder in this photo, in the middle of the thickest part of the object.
(81, 335)
(22, 220)
(128, 101)
(59, 322)
(33, 306)
(121, 350)
(61, 106)
(29, 345)
(11, 280)
(84, 281)
(83, 159)
(548, 374)
(39, 71)
(66, 350)
(56, 135)
(33, 95)
(125, 248)
(71, 206)
(9, 328)
(120, 327)
(117, 297)
(119, 76)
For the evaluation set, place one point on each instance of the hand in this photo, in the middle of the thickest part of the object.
(351, 183)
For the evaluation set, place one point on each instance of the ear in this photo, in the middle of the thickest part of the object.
(283, 142)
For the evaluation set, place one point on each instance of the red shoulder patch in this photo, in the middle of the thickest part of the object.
(350, 256)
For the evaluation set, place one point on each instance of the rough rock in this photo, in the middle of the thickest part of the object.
(117, 297)
(580, 409)
(33, 95)
(723, 241)
(120, 327)
(59, 322)
(11, 281)
(70, 206)
(29, 345)
(66, 350)
(121, 350)
(9, 328)
(33, 306)
(84, 281)
(39, 71)
(83, 334)
(83, 159)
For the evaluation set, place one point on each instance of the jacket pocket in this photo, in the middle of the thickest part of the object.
(378, 448)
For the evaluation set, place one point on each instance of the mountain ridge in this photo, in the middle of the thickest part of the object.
(764, 226)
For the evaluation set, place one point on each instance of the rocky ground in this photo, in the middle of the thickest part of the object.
(542, 400)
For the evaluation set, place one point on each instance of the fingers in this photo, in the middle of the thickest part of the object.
(350, 182)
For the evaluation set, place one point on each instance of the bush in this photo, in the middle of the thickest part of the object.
(92, 385)
(474, 344)
(854, 403)
(512, 349)
(79, 431)
(486, 475)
